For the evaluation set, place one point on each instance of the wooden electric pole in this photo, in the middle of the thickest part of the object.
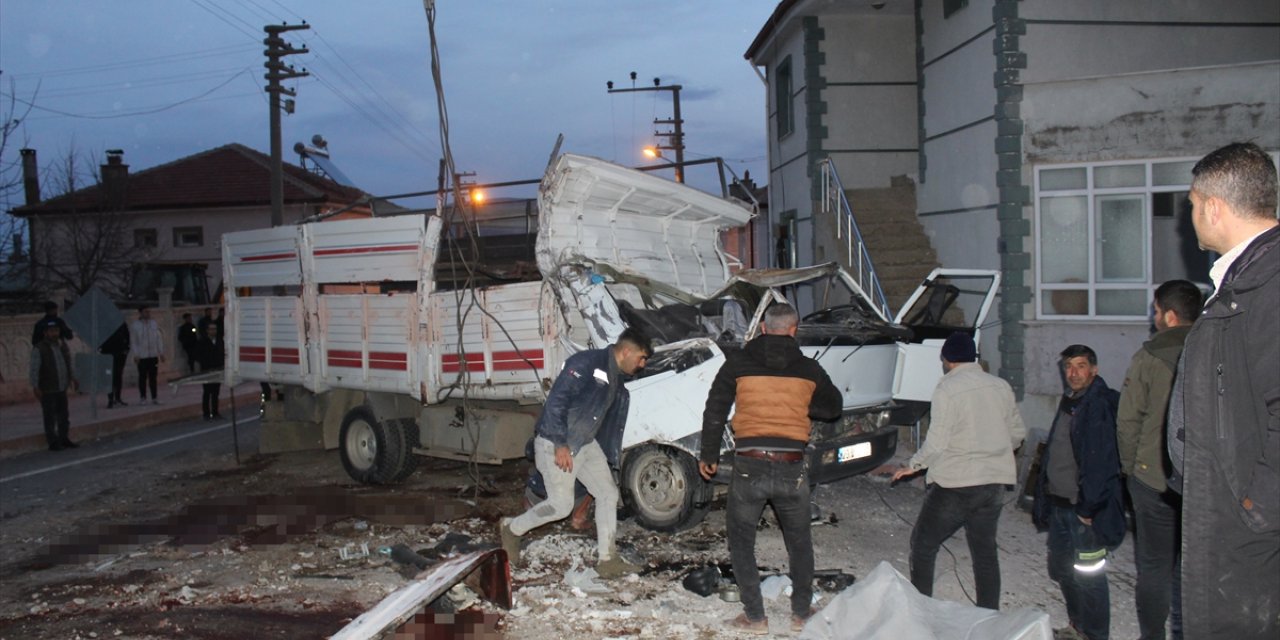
(277, 48)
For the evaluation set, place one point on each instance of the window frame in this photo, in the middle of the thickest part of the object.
(1091, 195)
(178, 232)
(784, 110)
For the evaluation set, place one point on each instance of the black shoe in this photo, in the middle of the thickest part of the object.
(57, 446)
(68, 444)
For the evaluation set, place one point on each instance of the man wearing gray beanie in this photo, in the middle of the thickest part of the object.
(974, 428)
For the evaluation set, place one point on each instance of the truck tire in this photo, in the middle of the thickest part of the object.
(409, 435)
(373, 452)
(662, 488)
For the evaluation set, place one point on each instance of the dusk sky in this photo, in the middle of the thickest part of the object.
(163, 79)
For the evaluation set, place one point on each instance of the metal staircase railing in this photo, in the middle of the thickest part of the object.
(860, 267)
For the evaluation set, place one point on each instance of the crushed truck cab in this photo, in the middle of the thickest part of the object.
(376, 360)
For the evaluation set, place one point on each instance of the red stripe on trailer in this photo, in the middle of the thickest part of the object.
(389, 360)
(347, 251)
(451, 362)
(253, 354)
(345, 358)
(517, 360)
(285, 355)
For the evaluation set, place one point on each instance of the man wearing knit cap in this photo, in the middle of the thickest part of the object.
(968, 461)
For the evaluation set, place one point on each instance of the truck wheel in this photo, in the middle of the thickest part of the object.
(662, 488)
(373, 452)
(409, 435)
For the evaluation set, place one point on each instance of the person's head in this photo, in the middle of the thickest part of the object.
(1177, 303)
(208, 312)
(1233, 192)
(186, 317)
(631, 351)
(50, 308)
(780, 319)
(958, 349)
(52, 331)
(144, 313)
(1079, 366)
(211, 331)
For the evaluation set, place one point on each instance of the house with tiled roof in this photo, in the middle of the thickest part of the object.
(171, 214)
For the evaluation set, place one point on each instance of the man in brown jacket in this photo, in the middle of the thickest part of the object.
(1140, 437)
(778, 391)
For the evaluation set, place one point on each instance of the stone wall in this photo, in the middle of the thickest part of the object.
(15, 352)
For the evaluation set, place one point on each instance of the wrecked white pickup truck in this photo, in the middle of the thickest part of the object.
(347, 317)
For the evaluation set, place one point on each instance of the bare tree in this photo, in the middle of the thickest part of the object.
(14, 266)
(87, 239)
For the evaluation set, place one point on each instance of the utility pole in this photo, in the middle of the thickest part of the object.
(277, 48)
(676, 136)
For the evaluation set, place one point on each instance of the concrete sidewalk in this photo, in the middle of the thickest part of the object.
(22, 425)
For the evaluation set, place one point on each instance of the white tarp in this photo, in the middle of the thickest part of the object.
(884, 604)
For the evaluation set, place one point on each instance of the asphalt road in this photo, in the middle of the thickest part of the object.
(149, 455)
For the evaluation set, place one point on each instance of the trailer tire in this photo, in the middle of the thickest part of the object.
(662, 488)
(409, 436)
(373, 452)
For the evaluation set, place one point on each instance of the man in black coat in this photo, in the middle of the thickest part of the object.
(1226, 406)
(211, 353)
(189, 340)
(117, 346)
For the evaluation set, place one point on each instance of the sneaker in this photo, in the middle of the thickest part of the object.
(510, 541)
(156, 401)
(798, 621)
(616, 567)
(747, 625)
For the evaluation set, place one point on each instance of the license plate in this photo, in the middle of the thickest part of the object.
(854, 451)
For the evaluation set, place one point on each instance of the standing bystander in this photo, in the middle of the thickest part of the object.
(778, 392)
(50, 314)
(147, 345)
(1079, 495)
(1140, 436)
(189, 339)
(212, 354)
(117, 346)
(1226, 406)
(974, 428)
(51, 376)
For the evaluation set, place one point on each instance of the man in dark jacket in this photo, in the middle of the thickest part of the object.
(1079, 496)
(1140, 435)
(778, 392)
(50, 314)
(1228, 390)
(117, 346)
(211, 353)
(189, 339)
(587, 400)
(51, 376)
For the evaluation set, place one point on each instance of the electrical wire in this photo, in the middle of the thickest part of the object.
(139, 62)
(253, 36)
(142, 112)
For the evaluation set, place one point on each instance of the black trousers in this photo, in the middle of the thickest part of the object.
(785, 485)
(209, 400)
(944, 511)
(148, 370)
(57, 420)
(1158, 518)
(117, 374)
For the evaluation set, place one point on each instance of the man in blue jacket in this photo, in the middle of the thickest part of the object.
(579, 431)
(1079, 496)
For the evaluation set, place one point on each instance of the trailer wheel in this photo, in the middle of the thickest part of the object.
(409, 436)
(662, 488)
(374, 452)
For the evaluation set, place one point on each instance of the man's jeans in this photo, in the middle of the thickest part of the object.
(57, 423)
(591, 468)
(944, 511)
(785, 485)
(1087, 596)
(1157, 517)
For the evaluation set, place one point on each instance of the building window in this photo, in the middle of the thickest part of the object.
(1108, 233)
(144, 238)
(951, 6)
(782, 98)
(186, 237)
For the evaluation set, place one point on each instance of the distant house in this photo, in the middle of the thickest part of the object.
(167, 220)
(1050, 140)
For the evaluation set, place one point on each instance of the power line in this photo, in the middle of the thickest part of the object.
(143, 112)
(130, 85)
(379, 124)
(137, 62)
(229, 23)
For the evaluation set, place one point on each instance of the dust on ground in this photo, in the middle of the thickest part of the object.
(200, 548)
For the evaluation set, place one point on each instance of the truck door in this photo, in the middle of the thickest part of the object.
(948, 300)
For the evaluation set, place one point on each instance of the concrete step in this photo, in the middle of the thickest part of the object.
(904, 256)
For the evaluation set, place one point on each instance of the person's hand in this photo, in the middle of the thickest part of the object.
(564, 459)
(902, 472)
(708, 469)
(1087, 521)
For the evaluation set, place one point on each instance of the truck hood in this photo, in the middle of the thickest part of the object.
(592, 211)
